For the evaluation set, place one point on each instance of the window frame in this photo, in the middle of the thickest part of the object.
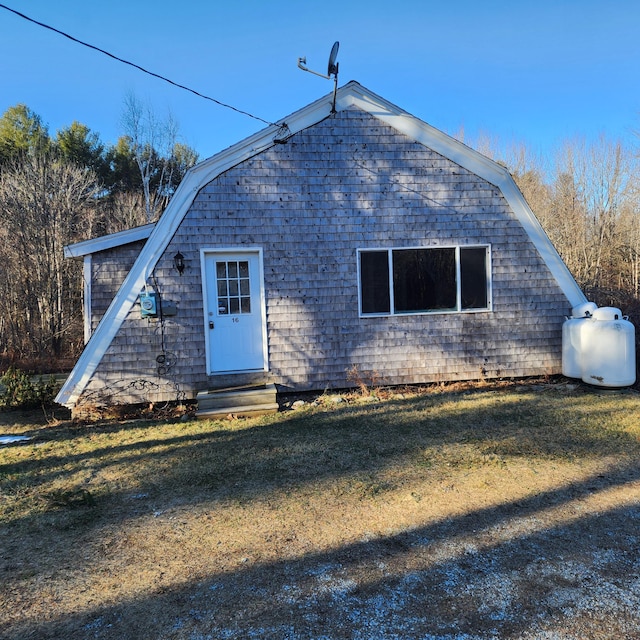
(458, 309)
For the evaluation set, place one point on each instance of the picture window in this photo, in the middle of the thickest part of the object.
(417, 280)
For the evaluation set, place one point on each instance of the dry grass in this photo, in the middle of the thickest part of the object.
(452, 513)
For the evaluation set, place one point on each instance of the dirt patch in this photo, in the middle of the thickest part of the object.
(476, 514)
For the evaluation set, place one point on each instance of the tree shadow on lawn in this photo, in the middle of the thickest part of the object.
(223, 461)
(252, 460)
(49, 467)
(497, 572)
(246, 459)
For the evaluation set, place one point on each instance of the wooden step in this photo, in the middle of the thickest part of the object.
(240, 401)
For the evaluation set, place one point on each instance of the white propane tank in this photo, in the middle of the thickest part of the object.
(608, 346)
(571, 349)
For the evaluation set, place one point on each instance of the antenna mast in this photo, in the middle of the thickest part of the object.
(332, 70)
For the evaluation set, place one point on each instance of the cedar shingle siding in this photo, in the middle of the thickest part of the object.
(350, 182)
(108, 271)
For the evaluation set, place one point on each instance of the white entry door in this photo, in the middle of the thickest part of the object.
(234, 312)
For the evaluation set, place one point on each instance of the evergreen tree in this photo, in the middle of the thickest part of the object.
(21, 132)
(79, 145)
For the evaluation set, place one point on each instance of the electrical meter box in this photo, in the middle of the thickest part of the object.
(148, 305)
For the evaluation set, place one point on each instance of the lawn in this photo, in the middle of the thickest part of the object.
(509, 511)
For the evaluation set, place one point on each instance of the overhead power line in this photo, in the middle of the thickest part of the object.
(135, 66)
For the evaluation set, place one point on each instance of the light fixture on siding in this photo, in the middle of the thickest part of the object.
(178, 262)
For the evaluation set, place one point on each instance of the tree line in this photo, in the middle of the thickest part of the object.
(587, 198)
(63, 188)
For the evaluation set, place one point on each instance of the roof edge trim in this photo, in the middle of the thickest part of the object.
(109, 241)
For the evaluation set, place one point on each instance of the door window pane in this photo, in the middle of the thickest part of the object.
(233, 287)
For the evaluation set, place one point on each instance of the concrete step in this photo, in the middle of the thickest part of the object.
(244, 411)
(249, 400)
(251, 395)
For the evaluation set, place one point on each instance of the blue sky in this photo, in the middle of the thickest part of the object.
(537, 72)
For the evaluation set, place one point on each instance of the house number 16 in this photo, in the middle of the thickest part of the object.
(236, 320)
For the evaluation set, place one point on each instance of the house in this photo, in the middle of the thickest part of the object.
(356, 240)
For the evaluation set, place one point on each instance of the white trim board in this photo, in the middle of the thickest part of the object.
(87, 247)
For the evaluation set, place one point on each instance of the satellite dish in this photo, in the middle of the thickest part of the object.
(332, 68)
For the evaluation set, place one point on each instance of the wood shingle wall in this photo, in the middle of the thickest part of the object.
(347, 183)
(108, 270)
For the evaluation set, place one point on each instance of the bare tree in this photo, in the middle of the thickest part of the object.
(44, 204)
(587, 199)
(124, 210)
(593, 187)
(152, 142)
(629, 277)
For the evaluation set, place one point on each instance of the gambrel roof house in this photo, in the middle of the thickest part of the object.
(356, 239)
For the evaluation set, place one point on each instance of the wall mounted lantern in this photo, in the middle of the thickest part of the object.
(178, 262)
